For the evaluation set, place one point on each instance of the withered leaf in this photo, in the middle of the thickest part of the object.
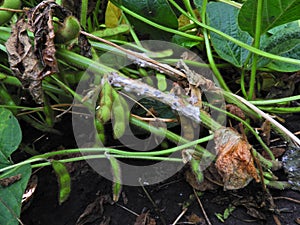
(23, 61)
(94, 211)
(144, 219)
(212, 179)
(234, 161)
(266, 131)
(31, 62)
(5, 182)
(195, 219)
(235, 110)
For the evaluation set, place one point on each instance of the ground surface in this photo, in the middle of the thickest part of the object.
(89, 187)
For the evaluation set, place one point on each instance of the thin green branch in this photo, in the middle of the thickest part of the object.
(256, 45)
(209, 52)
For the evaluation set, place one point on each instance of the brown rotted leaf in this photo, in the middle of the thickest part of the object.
(144, 219)
(94, 211)
(234, 161)
(23, 61)
(266, 131)
(235, 111)
(41, 24)
(212, 179)
(5, 182)
(32, 62)
(195, 219)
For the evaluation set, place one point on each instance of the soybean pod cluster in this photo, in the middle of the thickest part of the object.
(112, 106)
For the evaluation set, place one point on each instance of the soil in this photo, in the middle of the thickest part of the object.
(168, 196)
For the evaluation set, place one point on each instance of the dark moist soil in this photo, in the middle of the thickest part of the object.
(169, 197)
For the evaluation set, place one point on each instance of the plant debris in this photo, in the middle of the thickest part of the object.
(291, 165)
(31, 61)
(234, 161)
(5, 182)
(94, 211)
(144, 219)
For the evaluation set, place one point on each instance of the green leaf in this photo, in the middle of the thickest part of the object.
(158, 11)
(123, 28)
(275, 13)
(184, 42)
(11, 196)
(285, 42)
(294, 24)
(224, 18)
(198, 4)
(10, 135)
(64, 180)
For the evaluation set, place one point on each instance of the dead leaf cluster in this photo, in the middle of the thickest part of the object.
(234, 160)
(32, 60)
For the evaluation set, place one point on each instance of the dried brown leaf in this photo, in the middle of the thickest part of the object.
(277, 152)
(212, 179)
(93, 211)
(23, 61)
(266, 131)
(195, 219)
(234, 161)
(5, 182)
(32, 62)
(235, 111)
(144, 219)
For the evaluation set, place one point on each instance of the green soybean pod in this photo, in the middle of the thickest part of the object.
(64, 180)
(100, 130)
(70, 30)
(99, 126)
(121, 114)
(106, 95)
(119, 123)
(103, 113)
(161, 82)
(195, 166)
(5, 16)
(116, 171)
(105, 103)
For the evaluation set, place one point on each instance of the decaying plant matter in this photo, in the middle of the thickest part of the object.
(31, 61)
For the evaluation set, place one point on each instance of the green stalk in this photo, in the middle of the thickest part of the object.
(240, 43)
(132, 32)
(256, 45)
(76, 159)
(187, 27)
(243, 83)
(119, 153)
(209, 52)
(280, 109)
(82, 62)
(188, 6)
(168, 134)
(276, 101)
(233, 100)
(83, 12)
